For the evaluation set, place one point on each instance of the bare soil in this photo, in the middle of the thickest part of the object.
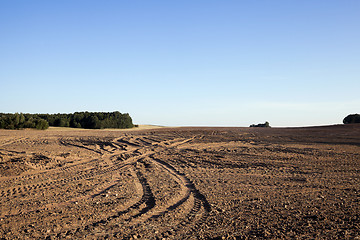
(181, 183)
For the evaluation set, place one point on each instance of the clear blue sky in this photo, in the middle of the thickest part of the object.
(198, 62)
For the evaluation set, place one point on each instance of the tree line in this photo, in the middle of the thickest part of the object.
(20, 121)
(89, 120)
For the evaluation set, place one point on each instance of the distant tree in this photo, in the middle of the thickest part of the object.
(41, 124)
(62, 121)
(94, 122)
(21, 120)
(352, 118)
(29, 123)
(266, 125)
(16, 119)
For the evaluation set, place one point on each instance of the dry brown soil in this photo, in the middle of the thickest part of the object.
(181, 183)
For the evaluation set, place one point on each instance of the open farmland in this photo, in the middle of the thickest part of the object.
(181, 183)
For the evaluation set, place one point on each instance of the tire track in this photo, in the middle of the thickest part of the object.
(51, 173)
(116, 154)
(43, 186)
(68, 143)
(129, 213)
(185, 181)
(188, 191)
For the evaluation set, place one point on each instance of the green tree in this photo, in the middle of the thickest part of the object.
(30, 123)
(41, 124)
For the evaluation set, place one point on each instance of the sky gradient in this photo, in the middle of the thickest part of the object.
(183, 63)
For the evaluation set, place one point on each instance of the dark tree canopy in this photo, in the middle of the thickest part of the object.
(19, 121)
(90, 120)
(352, 118)
(266, 124)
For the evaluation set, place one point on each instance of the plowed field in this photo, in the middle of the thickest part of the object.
(181, 183)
